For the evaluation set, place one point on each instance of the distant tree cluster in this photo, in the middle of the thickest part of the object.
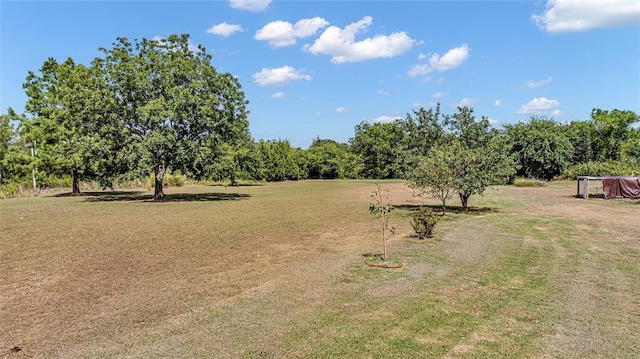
(154, 107)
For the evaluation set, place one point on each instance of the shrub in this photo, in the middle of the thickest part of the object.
(528, 182)
(175, 179)
(424, 221)
(16, 190)
(605, 168)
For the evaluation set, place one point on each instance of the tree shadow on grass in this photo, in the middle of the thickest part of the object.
(140, 196)
(449, 209)
(237, 185)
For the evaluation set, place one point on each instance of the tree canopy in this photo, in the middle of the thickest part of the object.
(173, 101)
(151, 107)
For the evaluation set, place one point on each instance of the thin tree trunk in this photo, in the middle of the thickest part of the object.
(74, 182)
(159, 174)
(384, 241)
(444, 207)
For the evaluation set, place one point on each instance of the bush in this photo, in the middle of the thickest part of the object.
(175, 179)
(528, 182)
(16, 190)
(424, 221)
(608, 168)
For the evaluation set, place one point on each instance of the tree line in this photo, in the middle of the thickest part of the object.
(153, 107)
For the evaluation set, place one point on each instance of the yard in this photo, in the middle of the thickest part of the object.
(277, 271)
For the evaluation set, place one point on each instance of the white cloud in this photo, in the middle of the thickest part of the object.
(341, 109)
(533, 84)
(383, 93)
(452, 59)
(492, 121)
(422, 56)
(438, 95)
(582, 15)
(278, 95)
(279, 76)
(342, 46)
(497, 103)
(250, 5)
(538, 106)
(466, 102)
(557, 113)
(384, 119)
(224, 29)
(283, 33)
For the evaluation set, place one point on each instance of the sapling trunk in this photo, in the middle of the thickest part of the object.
(383, 220)
(381, 208)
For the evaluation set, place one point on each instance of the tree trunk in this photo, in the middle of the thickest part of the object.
(444, 207)
(159, 172)
(384, 240)
(464, 199)
(74, 182)
(232, 179)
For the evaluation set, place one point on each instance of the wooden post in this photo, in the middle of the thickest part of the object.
(586, 188)
(578, 188)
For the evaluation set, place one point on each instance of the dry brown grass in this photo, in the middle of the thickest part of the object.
(277, 271)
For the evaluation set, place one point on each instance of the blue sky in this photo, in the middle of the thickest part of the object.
(318, 68)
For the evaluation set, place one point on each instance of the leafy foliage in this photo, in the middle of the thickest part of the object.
(382, 147)
(435, 174)
(469, 158)
(604, 168)
(7, 135)
(613, 130)
(279, 161)
(173, 102)
(328, 159)
(541, 146)
(158, 106)
(424, 222)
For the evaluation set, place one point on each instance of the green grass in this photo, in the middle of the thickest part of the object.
(279, 271)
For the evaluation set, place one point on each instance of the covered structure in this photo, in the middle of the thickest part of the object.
(612, 186)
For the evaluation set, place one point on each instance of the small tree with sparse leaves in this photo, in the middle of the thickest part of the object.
(381, 206)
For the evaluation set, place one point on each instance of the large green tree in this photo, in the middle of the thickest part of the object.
(7, 134)
(465, 157)
(613, 129)
(17, 162)
(435, 174)
(424, 129)
(70, 106)
(382, 147)
(279, 161)
(328, 159)
(583, 137)
(483, 157)
(541, 146)
(630, 149)
(173, 101)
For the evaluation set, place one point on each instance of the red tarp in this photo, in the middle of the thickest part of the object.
(621, 187)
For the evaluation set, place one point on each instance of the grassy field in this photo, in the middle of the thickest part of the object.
(277, 271)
